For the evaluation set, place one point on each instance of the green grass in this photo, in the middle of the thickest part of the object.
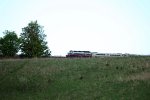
(119, 78)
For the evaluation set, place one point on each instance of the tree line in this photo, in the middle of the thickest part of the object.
(30, 43)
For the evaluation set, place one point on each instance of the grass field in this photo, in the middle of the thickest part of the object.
(119, 78)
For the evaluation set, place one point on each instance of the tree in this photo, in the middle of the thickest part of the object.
(0, 47)
(9, 44)
(33, 42)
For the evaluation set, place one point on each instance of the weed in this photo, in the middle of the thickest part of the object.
(122, 78)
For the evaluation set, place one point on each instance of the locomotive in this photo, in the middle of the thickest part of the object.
(72, 53)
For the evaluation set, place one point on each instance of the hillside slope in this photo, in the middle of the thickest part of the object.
(119, 78)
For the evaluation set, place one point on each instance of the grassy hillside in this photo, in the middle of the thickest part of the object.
(75, 79)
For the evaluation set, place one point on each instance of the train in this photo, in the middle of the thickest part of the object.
(72, 53)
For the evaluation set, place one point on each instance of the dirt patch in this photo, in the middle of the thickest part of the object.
(147, 65)
(141, 76)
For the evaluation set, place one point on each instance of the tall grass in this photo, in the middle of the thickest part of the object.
(75, 79)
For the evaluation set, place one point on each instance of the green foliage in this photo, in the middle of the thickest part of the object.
(33, 42)
(1, 46)
(9, 44)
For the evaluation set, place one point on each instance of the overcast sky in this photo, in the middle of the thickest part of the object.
(107, 26)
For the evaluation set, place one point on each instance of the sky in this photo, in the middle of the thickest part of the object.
(104, 26)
